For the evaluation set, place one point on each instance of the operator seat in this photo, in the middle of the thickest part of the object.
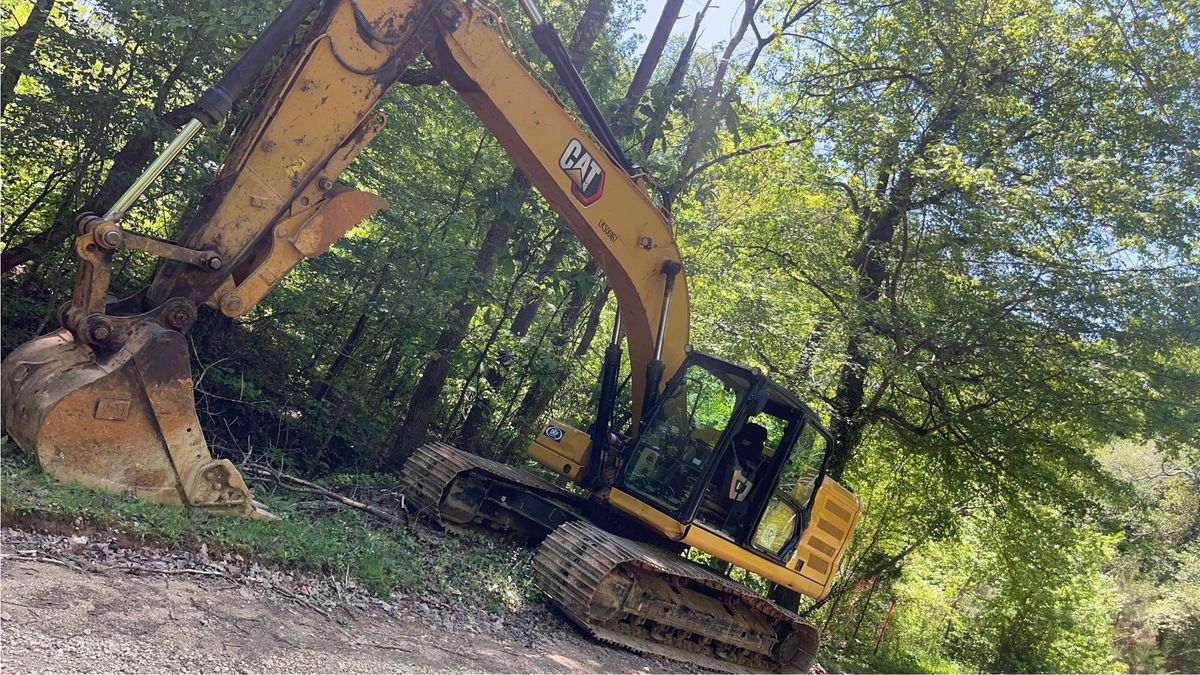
(748, 444)
(717, 509)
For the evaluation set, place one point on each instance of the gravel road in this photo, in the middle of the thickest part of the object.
(72, 604)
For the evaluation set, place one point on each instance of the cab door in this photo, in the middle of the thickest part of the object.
(782, 523)
(810, 518)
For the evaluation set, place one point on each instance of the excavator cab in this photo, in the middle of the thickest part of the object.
(720, 445)
(686, 438)
(734, 464)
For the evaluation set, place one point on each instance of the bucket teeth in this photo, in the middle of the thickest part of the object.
(123, 422)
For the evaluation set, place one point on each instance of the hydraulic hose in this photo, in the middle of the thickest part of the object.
(551, 44)
(216, 103)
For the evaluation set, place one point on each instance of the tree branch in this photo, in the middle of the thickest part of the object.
(738, 153)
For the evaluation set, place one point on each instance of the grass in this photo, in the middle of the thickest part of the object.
(384, 558)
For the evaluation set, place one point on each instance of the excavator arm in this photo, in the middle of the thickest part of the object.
(278, 184)
(97, 400)
(605, 208)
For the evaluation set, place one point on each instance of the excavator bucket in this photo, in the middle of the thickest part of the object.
(107, 401)
(122, 422)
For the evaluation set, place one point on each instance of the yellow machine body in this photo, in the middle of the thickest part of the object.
(563, 449)
(810, 568)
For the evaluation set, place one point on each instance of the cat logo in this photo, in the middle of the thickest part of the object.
(587, 177)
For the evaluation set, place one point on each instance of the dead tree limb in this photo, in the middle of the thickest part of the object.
(300, 485)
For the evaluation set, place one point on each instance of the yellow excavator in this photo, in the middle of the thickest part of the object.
(694, 454)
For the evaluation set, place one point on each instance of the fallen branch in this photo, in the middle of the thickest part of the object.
(138, 569)
(45, 559)
(97, 567)
(301, 601)
(300, 485)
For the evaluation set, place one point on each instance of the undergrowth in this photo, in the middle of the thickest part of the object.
(409, 558)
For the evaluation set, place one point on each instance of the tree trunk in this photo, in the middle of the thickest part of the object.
(593, 323)
(524, 317)
(20, 50)
(61, 227)
(133, 158)
(808, 353)
(849, 418)
(704, 128)
(480, 415)
(346, 351)
(847, 423)
(647, 66)
(674, 84)
(785, 597)
(469, 437)
(894, 187)
(423, 402)
(539, 395)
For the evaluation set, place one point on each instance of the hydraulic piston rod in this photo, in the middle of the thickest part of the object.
(656, 367)
(215, 104)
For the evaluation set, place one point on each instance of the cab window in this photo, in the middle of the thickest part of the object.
(677, 444)
(800, 474)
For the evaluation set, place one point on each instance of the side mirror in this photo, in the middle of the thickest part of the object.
(759, 403)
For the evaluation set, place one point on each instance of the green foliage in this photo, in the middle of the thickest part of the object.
(1156, 572)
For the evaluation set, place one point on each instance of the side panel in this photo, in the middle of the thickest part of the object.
(748, 560)
(815, 561)
(561, 448)
(835, 514)
(615, 220)
(650, 516)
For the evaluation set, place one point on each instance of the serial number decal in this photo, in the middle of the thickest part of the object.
(608, 232)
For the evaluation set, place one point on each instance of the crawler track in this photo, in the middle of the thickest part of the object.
(457, 489)
(649, 600)
(621, 591)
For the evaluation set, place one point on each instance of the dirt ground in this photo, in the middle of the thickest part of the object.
(64, 615)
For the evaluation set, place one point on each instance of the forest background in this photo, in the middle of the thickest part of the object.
(964, 230)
